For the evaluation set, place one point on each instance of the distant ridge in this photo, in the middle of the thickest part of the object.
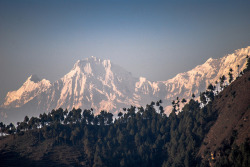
(102, 85)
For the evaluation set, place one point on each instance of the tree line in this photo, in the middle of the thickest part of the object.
(138, 136)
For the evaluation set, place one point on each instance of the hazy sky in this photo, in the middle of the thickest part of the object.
(154, 39)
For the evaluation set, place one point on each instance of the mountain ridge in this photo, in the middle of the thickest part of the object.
(102, 85)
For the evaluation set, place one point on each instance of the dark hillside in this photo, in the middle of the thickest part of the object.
(26, 150)
(232, 126)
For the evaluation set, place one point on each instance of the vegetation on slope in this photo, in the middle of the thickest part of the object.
(145, 138)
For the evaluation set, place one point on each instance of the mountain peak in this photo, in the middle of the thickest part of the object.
(92, 59)
(243, 51)
(87, 64)
(30, 89)
(209, 60)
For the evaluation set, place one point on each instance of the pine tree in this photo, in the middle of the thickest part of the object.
(238, 66)
(210, 87)
(230, 75)
(120, 114)
(183, 100)
(222, 80)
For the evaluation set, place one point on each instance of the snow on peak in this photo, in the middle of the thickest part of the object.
(92, 61)
(243, 51)
(92, 66)
(87, 68)
(209, 60)
(31, 88)
(142, 80)
(106, 63)
(197, 79)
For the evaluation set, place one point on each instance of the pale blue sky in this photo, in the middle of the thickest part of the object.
(154, 39)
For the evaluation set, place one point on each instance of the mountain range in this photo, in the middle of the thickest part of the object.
(102, 85)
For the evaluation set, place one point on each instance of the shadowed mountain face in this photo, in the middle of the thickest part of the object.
(102, 85)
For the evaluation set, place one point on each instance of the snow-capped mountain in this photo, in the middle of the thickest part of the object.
(92, 83)
(197, 79)
(31, 88)
(102, 85)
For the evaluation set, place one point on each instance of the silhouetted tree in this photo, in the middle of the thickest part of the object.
(210, 87)
(238, 67)
(26, 119)
(2, 128)
(183, 100)
(230, 75)
(222, 80)
(203, 98)
(120, 114)
(247, 65)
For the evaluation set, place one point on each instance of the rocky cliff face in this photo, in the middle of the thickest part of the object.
(102, 85)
